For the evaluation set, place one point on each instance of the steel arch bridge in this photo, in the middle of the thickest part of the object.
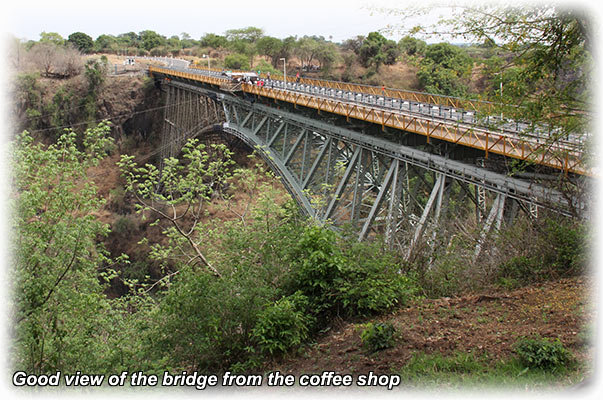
(342, 172)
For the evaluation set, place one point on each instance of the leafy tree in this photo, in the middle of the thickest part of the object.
(106, 43)
(52, 37)
(174, 42)
(81, 41)
(376, 50)
(244, 41)
(237, 61)
(213, 40)
(548, 61)
(186, 40)
(271, 47)
(443, 69)
(151, 39)
(59, 303)
(129, 39)
(210, 323)
(353, 44)
(179, 190)
(327, 55)
(412, 46)
(307, 48)
(95, 72)
(250, 34)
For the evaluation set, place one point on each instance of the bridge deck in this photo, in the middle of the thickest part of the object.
(560, 155)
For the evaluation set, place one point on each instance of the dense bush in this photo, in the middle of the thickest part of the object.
(378, 336)
(542, 353)
(370, 280)
(280, 285)
(343, 277)
(315, 266)
(555, 249)
(283, 325)
(206, 323)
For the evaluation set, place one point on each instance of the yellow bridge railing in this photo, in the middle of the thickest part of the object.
(546, 153)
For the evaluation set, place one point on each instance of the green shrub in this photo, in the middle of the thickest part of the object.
(556, 249)
(567, 242)
(315, 266)
(206, 322)
(378, 336)
(343, 277)
(542, 353)
(283, 325)
(370, 281)
(521, 268)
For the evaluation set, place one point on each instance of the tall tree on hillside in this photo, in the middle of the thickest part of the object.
(151, 39)
(81, 41)
(306, 49)
(105, 44)
(549, 64)
(186, 187)
(376, 50)
(327, 55)
(129, 39)
(271, 47)
(244, 41)
(412, 46)
(52, 37)
(213, 40)
(59, 307)
(444, 70)
(250, 34)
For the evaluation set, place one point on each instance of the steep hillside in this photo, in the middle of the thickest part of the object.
(440, 341)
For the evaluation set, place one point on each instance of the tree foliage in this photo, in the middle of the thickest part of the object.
(151, 39)
(178, 193)
(444, 70)
(545, 60)
(376, 50)
(57, 291)
(81, 41)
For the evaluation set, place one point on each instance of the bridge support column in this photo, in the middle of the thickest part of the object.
(396, 201)
(434, 198)
(496, 214)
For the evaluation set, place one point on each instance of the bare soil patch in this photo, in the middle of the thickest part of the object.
(487, 323)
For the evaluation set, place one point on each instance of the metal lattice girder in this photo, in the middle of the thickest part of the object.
(380, 197)
(186, 114)
(344, 176)
(491, 181)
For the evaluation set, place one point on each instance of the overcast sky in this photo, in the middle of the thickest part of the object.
(334, 19)
(338, 19)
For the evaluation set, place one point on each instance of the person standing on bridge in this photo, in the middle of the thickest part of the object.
(297, 77)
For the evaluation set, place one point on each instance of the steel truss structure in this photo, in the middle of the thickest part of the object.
(341, 176)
